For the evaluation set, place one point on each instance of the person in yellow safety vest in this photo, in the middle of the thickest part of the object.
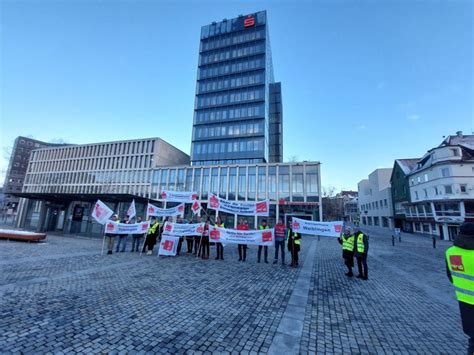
(294, 244)
(460, 270)
(260, 247)
(361, 249)
(151, 236)
(347, 242)
(219, 246)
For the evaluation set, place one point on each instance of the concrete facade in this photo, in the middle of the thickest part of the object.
(375, 199)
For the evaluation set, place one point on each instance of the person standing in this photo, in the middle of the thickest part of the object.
(197, 240)
(219, 246)
(189, 242)
(242, 226)
(460, 270)
(137, 238)
(280, 237)
(361, 250)
(180, 241)
(204, 248)
(265, 248)
(347, 242)
(294, 245)
(110, 236)
(151, 236)
(122, 238)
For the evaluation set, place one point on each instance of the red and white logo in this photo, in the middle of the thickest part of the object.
(249, 21)
(200, 229)
(214, 201)
(215, 234)
(163, 195)
(456, 263)
(167, 245)
(144, 226)
(262, 207)
(110, 227)
(266, 236)
(168, 227)
(180, 208)
(196, 206)
(194, 197)
(151, 209)
(338, 228)
(296, 225)
(99, 211)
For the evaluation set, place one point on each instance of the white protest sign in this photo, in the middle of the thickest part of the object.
(324, 229)
(168, 245)
(251, 237)
(101, 212)
(178, 196)
(165, 212)
(258, 208)
(182, 229)
(125, 228)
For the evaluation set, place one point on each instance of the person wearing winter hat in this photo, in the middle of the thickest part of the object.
(460, 270)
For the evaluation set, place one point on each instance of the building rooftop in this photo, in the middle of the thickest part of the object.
(407, 165)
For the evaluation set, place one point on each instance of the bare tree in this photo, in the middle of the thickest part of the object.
(292, 159)
(328, 191)
(58, 141)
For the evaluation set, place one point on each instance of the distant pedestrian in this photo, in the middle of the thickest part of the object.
(242, 226)
(294, 245)
(361, 249)
(280, 237)
(122, 238)
(263, 226)
(151, 236)
(347, 242)
(180, 240)
(110, 236)
(460, 269)
(137, 238)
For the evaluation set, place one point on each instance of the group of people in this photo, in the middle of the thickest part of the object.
(200, 245)
(355, 245)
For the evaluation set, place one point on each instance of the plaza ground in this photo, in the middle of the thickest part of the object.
(63, 296)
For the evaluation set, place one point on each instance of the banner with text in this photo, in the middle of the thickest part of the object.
(250, 237)
(168, 245)
(165, 212)
(183, 230)
(178, 196)
(325, 229)
(259, 208)
(125, 228)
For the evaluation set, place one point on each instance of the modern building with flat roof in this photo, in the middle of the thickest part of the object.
(233, 120)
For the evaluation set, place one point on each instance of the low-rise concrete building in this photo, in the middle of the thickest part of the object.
(375, 199)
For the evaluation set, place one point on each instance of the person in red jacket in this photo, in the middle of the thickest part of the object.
(242, 226)
(280, 238)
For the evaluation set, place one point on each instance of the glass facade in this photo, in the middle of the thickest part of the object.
(231, 117)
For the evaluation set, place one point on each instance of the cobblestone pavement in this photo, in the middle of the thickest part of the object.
(62, 296)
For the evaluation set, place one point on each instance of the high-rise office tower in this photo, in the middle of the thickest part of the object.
(233, 120)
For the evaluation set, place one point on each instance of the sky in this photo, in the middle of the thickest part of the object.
(363, 82)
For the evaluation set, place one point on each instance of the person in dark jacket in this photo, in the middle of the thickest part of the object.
(137, 238)
(361, 249)
(294, 241)
(152, 235)
(110, 237)
(460, 270)
(347, 242)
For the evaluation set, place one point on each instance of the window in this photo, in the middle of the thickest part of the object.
(436, 191)
(426, 177)
(448, 189)
(455, 152)
(445, 172)
(416, 195)
(425, 192)
(463, 188)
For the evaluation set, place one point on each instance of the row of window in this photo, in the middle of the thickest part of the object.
(85, 151)
(243, 50)
(375, 221)
(121, 162)
(235, 129)
(231, 82)
(242, 183)
(228, 26)
(248, 35)
(235, 66)
(247, 145)
(230, 113)
(438, 190)
(374, 205)
(228, 161)
(232, 97)
(96, 177)
(138, 190)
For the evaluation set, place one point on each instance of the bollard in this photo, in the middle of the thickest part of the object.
(393, 241)
(434, 242)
